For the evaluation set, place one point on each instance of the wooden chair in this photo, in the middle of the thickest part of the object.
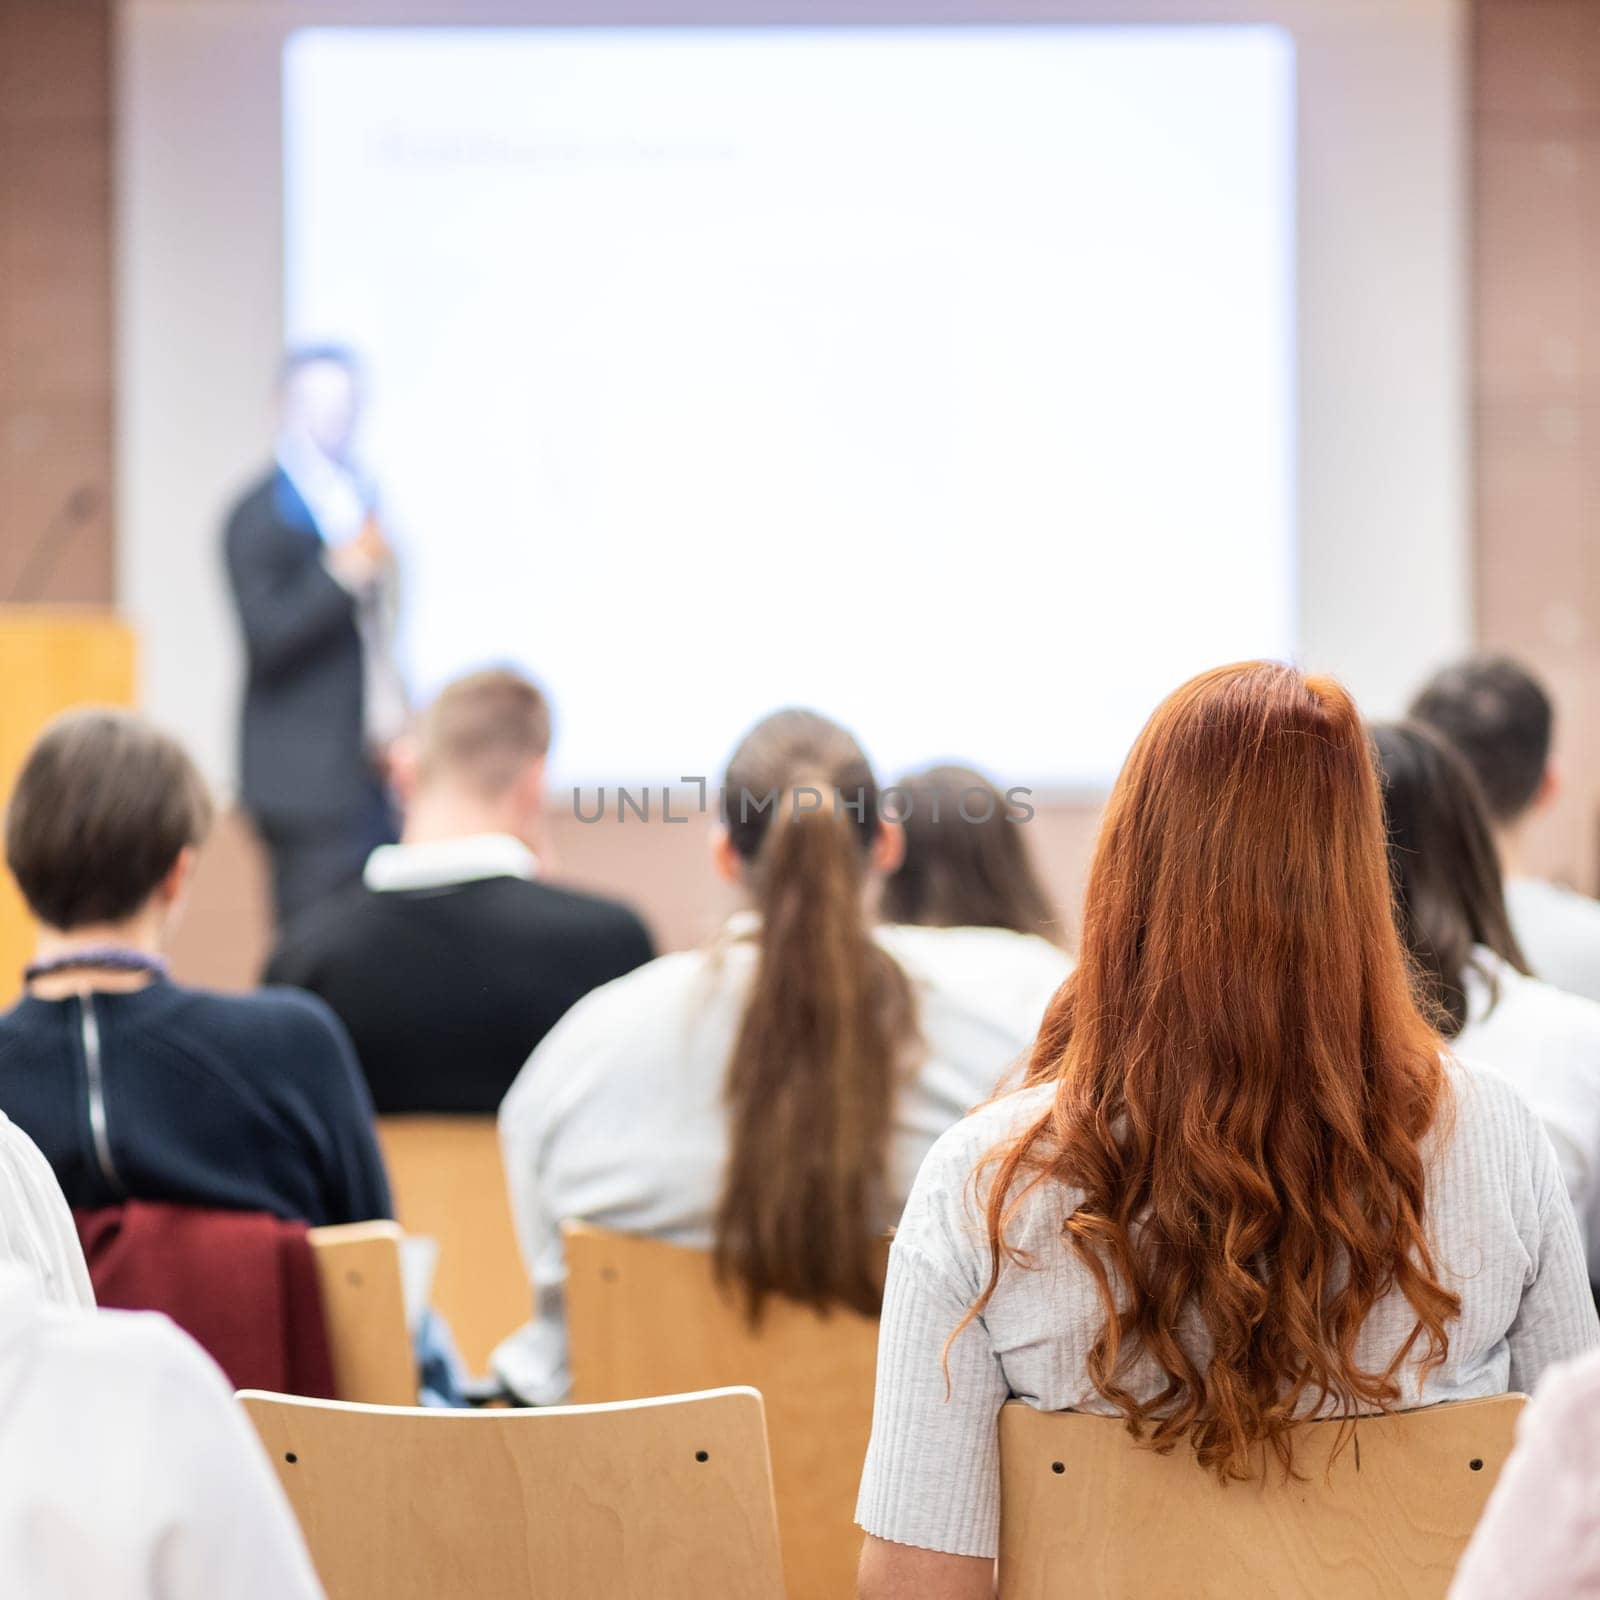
(363, 1308)
(1085, 1512)
(449, 1184)
(664, 1500)
(648, 1318)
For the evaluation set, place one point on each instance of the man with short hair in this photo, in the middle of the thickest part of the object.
(1499, 716)
(453, 958)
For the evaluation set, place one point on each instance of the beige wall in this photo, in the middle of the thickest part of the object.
(663, 869)
(55, 291)
(1536, 260)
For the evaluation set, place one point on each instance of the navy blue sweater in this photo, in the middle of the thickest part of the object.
(241, 1102)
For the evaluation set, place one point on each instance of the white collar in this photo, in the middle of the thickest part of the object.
(334, 492)
(443, 863)
(305, 463)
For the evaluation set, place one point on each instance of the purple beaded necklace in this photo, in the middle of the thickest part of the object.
(102, 958)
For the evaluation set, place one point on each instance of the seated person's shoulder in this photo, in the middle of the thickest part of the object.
(131, 1352)
(943, 1219)
(992, 1124)
(15, 1032)
(1559, 930)
(981, 969)
(1572, 1017)
(1485, 1116)
(602, 937)
(579, 906)
(288, 1024)
(641, 998)
(1539, 894)
(617, 1025)
(341, 923)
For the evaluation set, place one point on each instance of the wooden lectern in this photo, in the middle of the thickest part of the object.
(51, 657)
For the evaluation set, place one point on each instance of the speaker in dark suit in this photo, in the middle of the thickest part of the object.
(312, 584)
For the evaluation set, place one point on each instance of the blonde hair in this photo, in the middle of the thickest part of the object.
(483, 729)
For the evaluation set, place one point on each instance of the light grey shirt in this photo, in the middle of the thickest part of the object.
(1498, 1219)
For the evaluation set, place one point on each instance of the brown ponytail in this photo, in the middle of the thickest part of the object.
(810, 1084)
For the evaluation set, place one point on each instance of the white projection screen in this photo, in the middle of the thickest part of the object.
(941, 378)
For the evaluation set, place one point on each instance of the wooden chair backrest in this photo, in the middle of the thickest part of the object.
(661, 1500)
(449, 1184)
(364, 1310)
(1088, 1513)
(648, 1318)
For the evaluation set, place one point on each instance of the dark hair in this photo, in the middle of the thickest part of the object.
(1448, 894)
(1497, 714)
(827, 1026)
(485, 728)
(102, 808)
(966, 863)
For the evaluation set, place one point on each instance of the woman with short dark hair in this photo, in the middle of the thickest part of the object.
(134, 1087)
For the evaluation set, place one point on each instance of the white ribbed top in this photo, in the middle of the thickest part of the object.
(1499, 1221)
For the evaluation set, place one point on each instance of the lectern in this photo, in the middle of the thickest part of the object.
(50, 658)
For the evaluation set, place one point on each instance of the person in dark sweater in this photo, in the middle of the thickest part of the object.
(453, 958)
(135, 1087)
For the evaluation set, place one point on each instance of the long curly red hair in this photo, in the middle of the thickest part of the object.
(1243, 1081)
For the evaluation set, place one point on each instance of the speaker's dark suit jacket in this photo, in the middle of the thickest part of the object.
(304, 758)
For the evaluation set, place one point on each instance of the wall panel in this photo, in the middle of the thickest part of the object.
(1536, 379)
(55, 297)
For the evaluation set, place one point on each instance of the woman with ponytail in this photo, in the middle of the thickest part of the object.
(1243, 1184)
(772, 1096)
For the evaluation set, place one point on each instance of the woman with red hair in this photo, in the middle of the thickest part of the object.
(1243, 1185)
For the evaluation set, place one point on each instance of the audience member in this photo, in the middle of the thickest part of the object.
(1540, 1534)
(1242, 1185)
(769, 1097)
(1498, 715)
(454, 959)
(1474, 981)
(129, 1472)
(967, 865)
(134, 1087)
